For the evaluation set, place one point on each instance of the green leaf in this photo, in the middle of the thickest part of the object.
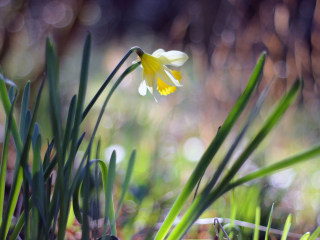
(204, 200)
(37, 191)
(110, 183)
(80, 103)
(4, 160)
(269, 223)
(18, 175)
(24, 109)
(257, 224)
(315, 234)
(273, 168)
(123, 75)
(286, 228)
(212, 149)
(86, 195)
(125, 185)
(68, 128)
(7, 107)
(305, 236)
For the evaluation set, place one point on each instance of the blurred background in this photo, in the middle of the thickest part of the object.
(223, 39)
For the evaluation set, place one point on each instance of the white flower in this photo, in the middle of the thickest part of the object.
(156, 73)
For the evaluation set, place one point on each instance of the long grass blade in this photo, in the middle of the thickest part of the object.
(117, 83)
(110, 183)
(203, 201)
(4, 161)
(18, 175)
(24, 109)
(37, 188)
(269, 223)
(212, 149)
(273, 168)
(257, 224)
(315, 234)
(125, 185)
(80, 103)
(305, 236)
(286, 228)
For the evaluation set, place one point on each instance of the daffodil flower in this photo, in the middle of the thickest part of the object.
(157, 75)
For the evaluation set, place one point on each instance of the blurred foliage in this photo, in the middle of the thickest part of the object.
(223, 40)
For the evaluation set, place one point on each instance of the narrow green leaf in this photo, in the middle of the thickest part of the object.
(4, 161)
(204, 200)
(110, 183)
(125, 185)
(35, 134)
(18, 175)
(257, 224)
(7, 107)
(269, 223)
(12, 94)
(286, 228)
(273, 168)
(37, 188)
(315, 234)
(52, 66)
(86, 196)
(212, 149)
(80, 103)
(68, 128)
(117, 83)
(24, 109)
(249, 121)
(27, 125)
(305, 236)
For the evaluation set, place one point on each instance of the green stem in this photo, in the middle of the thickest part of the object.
(104, 85)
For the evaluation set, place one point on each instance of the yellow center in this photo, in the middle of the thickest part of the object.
(165, 89)
(149, 64)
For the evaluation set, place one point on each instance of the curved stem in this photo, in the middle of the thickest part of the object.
(106, 82)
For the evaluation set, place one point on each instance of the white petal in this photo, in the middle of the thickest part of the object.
(165, 75)
(143, 88)
(158, 53)
(174, 58)
(150, 79)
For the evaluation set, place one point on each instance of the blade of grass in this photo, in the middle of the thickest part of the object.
(257, 224)
(117, 83)
(203, 201)
(272, 168)
(269, 223)
(52, 66)
(24, 108)
(305, 236)
(5, 160)
(80, 104)
(18, 175)
(212, 149)
(315, 234)
(286, 228)
(86, 196)
(7, 107)
(110, 183)
(125, 185)
(96, 210)
(37, 191)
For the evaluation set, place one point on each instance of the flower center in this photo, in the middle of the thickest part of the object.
(149, 63)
